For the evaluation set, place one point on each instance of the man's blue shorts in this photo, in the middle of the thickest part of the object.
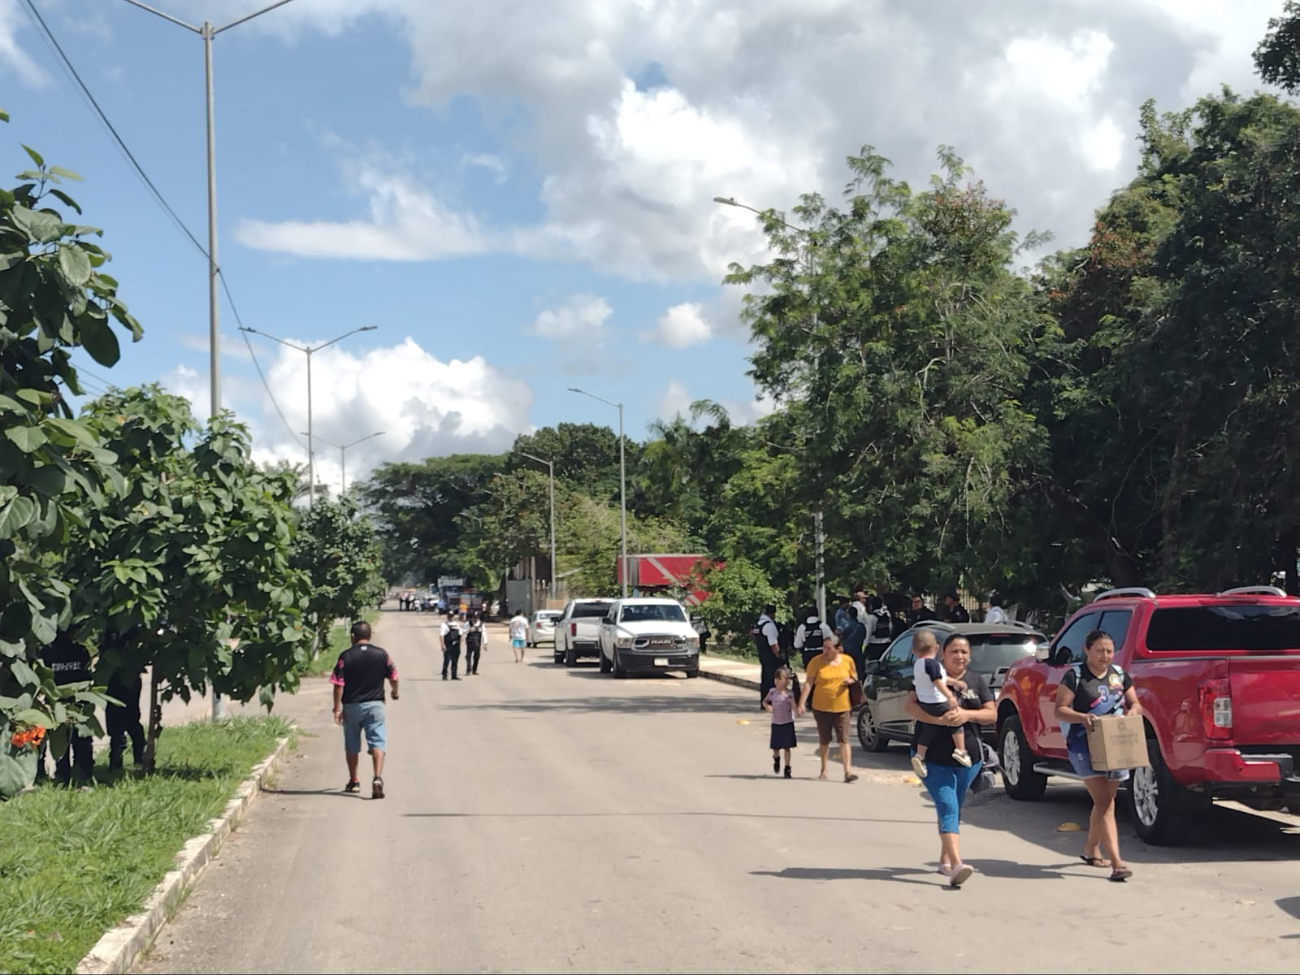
(365, 716)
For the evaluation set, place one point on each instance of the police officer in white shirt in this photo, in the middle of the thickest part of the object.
(996, 613)
(812, 625)
(767, 643)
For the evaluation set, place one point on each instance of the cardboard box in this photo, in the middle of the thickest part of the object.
(1118, 742)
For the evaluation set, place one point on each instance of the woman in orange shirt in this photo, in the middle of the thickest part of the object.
(829, 676)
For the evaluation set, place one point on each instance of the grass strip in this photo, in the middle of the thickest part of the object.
(74, 864)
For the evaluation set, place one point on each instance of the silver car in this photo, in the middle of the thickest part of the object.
(541, 628)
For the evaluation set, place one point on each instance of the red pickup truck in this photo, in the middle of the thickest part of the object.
(1218, 677)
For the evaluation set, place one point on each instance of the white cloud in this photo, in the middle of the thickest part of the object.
(764, 102)
(13, 53)
(425, 406)
(580, 316)
(680, 326)
(676, 400)
(492, 163)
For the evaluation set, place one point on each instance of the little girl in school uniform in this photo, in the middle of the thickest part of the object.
(780, 701)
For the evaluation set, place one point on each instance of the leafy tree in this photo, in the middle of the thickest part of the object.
(335, 549)
(1277, 58)
(185, 566)
(738, 591)
(54, 298)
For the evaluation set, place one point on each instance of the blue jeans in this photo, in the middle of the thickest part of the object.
(948, 785)
(367, 716)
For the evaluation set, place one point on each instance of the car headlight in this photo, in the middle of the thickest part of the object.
(623, 642)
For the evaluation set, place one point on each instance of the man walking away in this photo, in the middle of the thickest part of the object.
(767, 643)
(806, 639)
(358, 681)
(451, 637)
(518, 635)
(853, 638)
(123, 720)
(475, 639)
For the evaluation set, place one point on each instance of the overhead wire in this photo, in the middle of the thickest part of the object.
(158, 197)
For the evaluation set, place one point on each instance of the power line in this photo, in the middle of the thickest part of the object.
(135, 163)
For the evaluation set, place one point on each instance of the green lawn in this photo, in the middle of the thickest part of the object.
(74, 864)
(340, 639)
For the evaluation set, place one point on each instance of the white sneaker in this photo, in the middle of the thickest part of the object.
(959, 875)
(919, 768)
(961, 757)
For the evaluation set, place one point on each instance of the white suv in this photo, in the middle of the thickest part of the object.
(641, 636)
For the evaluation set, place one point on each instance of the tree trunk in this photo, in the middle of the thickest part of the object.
(155, 726)
(1170, 508)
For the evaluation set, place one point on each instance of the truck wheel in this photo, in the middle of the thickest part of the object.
(1163, 812)
(558, 655)
(868, 733)
(570, 657)
(1018, 775)
(695, 672)
(619, 672)
(605, 667)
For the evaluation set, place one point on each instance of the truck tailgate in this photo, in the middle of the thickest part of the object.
(1265, 699)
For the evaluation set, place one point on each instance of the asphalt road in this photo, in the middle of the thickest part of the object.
(549, 820)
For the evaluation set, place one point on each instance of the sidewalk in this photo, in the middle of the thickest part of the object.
(729, 670)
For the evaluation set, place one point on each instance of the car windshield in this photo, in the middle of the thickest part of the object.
(991, 652)
(657, 611)
(546, 617)
(581, 610)
(1232, 627)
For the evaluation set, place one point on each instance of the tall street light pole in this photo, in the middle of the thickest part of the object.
(622, 477)
(208, 33)
(810, 256)
(343, 454)
(310, 350)
(550, 466)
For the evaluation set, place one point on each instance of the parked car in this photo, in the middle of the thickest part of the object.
(541, 628)
(994, 648)
(577, 631)
(645, 635)
(1218, 677)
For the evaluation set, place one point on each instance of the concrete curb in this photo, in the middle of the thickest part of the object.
(118, 950)
(745, 682)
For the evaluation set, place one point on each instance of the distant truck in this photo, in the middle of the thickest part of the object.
(676, 575)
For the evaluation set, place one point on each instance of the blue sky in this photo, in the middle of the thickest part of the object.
(520, 196)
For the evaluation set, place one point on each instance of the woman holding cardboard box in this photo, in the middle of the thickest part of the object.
(1089, 692)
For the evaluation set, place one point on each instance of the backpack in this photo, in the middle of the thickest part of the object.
(884, 631)
(453, 638)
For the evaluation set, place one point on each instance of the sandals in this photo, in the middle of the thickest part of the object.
(1094, 861)
(1120, 875)
(851, 777)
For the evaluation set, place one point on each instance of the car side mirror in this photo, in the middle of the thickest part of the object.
(1043, 653)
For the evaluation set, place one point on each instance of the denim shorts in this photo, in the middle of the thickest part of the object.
(948, 785)
(517, 644)
(1081, 761)
(365, 716)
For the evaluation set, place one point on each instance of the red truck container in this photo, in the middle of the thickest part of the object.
(662, 573)
(1218, 677)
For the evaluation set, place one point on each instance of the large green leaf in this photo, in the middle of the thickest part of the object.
(75, 265)
(38, 225)
(75, 429)
(16, 515)
(98, 338)
(17, 770)
(27, 438)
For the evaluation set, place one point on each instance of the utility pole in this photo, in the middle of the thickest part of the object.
(622, 477)
(550, 466)
(209, 33)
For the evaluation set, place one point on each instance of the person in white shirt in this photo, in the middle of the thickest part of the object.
(452, 636)
(809, 648)
(767, 643)
(996, 613)
(518, 635)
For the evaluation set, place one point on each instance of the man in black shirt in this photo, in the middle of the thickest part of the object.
(70, 662)
(956, 611)
(358, 681)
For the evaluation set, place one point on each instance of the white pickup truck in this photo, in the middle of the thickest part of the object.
(577, 631)
(648, 635)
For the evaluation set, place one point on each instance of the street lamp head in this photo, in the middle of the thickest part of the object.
(574, 389)
(369, 328)
(726, 201)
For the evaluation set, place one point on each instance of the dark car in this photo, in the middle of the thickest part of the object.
(994, 647)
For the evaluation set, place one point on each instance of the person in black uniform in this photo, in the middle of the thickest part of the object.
(70, 662)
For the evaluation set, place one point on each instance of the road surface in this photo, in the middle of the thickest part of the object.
(549, 820)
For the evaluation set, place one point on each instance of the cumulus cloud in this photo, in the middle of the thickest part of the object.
(680, 326)
(492, 163)
(425, 406)
(582, 316)
(13, 53)
(676, 401)
(763, 103)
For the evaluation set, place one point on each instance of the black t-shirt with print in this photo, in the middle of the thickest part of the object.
(362, 669)
(1097, 695)
(976, 695)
